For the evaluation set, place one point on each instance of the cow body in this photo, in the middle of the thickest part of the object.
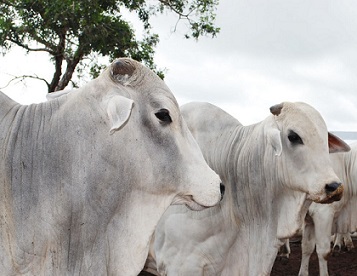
(85, 177)
(339, 218)
(271, 179)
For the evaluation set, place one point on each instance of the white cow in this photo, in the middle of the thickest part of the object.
(85, 177)
(339, 218)
(273, 170)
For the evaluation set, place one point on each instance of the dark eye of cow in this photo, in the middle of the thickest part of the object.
(294, 138)
(164, 115)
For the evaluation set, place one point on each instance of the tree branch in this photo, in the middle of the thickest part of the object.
(180, 14)
(26, 47)
(172, 7)
(23, 77)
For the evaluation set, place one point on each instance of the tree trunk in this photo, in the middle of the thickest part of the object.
(59, 57)
(67, 76)
(57, 74)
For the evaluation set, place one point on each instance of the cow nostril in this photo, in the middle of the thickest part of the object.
(332, 187)
(222, 189)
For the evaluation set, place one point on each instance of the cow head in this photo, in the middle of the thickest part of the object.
(299, 138)
(166, 152)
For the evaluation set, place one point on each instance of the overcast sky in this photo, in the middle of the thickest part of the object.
(267, 52)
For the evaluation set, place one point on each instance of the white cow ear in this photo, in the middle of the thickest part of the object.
(274, 139)
(57, 94)
(119, 110)
(335, 144)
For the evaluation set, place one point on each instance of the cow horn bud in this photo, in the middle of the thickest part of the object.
(276, 109)
(122, 70)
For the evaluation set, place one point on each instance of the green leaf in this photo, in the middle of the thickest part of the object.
(79, 32)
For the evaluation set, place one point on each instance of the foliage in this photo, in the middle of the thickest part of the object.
(76, 33)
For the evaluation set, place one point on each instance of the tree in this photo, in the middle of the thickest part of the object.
(76, 32)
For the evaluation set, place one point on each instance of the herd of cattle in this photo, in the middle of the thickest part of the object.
(97, 181)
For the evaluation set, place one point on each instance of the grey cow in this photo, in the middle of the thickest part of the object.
(85, 177)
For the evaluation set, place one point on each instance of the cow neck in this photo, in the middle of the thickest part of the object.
(26, 129)
(8, 111)
(347, 172)
(7, 104)
(220, 155)
(253, 190)
(249, 184)
(23, 159)
(242, 258)
(350, 182)
(290, 208)
(344, 166)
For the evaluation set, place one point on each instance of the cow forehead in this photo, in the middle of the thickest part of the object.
(301, 109)
(143, 86)
(146, 84)
(156, 98)
(303, 117)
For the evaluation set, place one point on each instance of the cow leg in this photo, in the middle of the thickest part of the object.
(307, 248)
(343, 240)
(348, 241)
(323, 228)
(284, 250)
(337, 242)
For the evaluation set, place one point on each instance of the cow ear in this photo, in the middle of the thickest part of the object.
(57, 94)
(274, 139)
(119, 110)
(335, 144)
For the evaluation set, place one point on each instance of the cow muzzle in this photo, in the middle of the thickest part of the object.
(222, 189)
(333, 191)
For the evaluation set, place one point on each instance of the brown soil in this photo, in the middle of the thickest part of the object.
(340, 263)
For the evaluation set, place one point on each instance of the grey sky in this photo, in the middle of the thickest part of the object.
(267, 52)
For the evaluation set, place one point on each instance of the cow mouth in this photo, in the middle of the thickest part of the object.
(189, 202)
(332, 197)
(194, 206)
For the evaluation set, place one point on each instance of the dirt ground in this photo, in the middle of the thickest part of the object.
(340, 263)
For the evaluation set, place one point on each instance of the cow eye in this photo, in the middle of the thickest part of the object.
(164, 115)
(294, 138)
